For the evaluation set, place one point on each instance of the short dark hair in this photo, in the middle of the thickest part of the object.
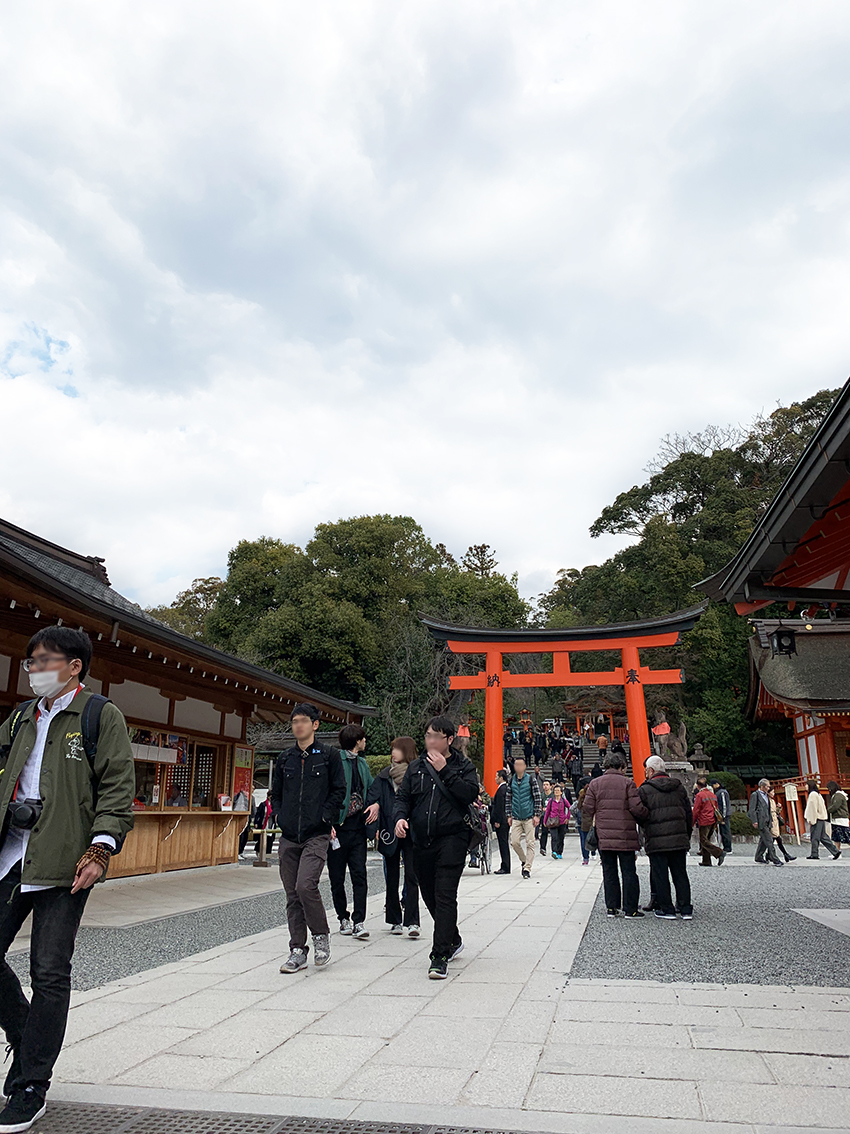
(349, 736)
(445, 725)
(702, 782)
(502, 775)
(64, 640)
(614, 760)
(305, 709)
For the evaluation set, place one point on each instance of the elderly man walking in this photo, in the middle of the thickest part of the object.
(523, 804)
(668, 836)
(760, 817)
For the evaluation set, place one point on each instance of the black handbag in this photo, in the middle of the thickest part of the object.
(591, 839)
(471, 814)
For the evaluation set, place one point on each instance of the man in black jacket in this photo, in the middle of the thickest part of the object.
(431, 806)
(499, 819)
(308, 790)
(668, 837)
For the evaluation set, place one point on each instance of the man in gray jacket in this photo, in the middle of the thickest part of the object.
(760, 817)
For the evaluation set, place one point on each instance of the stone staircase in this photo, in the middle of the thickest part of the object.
(590, 753)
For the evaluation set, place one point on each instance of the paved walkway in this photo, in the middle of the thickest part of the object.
(507, 1043)
(123, 902)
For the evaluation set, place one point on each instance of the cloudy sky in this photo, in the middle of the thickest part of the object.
(268, 264)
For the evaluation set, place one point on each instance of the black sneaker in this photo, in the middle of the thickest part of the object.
(439, 969)
(526, 873)
(23, 1109)
(665, 916)
(635, 913)
(456, 952)
(613, 913)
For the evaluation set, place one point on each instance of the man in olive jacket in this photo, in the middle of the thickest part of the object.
(668, 836)
(63, 812)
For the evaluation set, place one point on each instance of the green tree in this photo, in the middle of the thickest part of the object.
(343, 614)
(704, 494)
(190, 609)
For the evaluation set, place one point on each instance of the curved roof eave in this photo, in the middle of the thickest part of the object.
(821, 469)
(146, 626)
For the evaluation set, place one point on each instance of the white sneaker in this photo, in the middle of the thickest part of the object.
(413, 931)
(397, 930)
(360, 931)
(346, 926)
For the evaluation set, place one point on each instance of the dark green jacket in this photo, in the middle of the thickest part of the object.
(365, 779)
(71, 816)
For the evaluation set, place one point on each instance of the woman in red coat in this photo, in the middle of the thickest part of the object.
(705, 817)
(612, 801)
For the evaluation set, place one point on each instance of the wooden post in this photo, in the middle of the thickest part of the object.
(493, 718)
(635, 711)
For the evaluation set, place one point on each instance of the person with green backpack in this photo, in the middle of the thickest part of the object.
(348, 839)
(67, 782)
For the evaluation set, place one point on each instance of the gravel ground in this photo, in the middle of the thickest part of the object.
(744, 930)
(108, 954)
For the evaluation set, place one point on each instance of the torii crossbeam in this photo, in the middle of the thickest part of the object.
(627, 637)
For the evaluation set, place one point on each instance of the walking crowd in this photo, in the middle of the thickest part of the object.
(67, 785)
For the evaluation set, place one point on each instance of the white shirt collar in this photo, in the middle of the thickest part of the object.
(60, 703)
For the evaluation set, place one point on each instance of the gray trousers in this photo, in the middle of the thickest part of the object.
(766, 847)
(301, 865)
(819, 836)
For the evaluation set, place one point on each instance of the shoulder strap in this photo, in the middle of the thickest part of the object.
(17, 720)
(90, 724)
(443, 789)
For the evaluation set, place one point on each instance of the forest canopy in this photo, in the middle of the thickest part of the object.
(342, 614)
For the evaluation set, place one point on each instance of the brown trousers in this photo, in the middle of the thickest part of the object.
(301, 865)
(706, 846)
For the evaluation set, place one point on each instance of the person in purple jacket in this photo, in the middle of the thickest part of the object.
(613, 806)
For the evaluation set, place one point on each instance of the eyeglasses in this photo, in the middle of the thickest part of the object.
(42, 661)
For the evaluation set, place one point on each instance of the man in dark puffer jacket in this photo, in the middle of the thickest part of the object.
(668, 836)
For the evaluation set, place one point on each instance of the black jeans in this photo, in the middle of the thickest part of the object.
(542, 836)
(351, 854)
(630, 894)
(661, 866)
(558, 834)
(439, 869)
(36, 1028)
(392, 873)
(503, 834)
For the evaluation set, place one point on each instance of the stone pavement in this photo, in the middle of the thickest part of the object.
(509, 1042)
(122, 902)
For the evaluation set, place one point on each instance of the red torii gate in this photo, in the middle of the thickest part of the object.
(627, 637)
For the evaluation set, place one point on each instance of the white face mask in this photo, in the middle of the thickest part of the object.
(47, 683)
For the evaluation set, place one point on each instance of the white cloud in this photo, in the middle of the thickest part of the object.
(271, 265)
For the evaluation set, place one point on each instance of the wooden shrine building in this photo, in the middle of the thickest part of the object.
(187, 705)
(798, 557)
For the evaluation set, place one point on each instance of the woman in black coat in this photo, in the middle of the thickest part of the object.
(395, 851)
(668, 837)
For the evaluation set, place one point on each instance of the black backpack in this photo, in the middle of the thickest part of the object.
(89, 726)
